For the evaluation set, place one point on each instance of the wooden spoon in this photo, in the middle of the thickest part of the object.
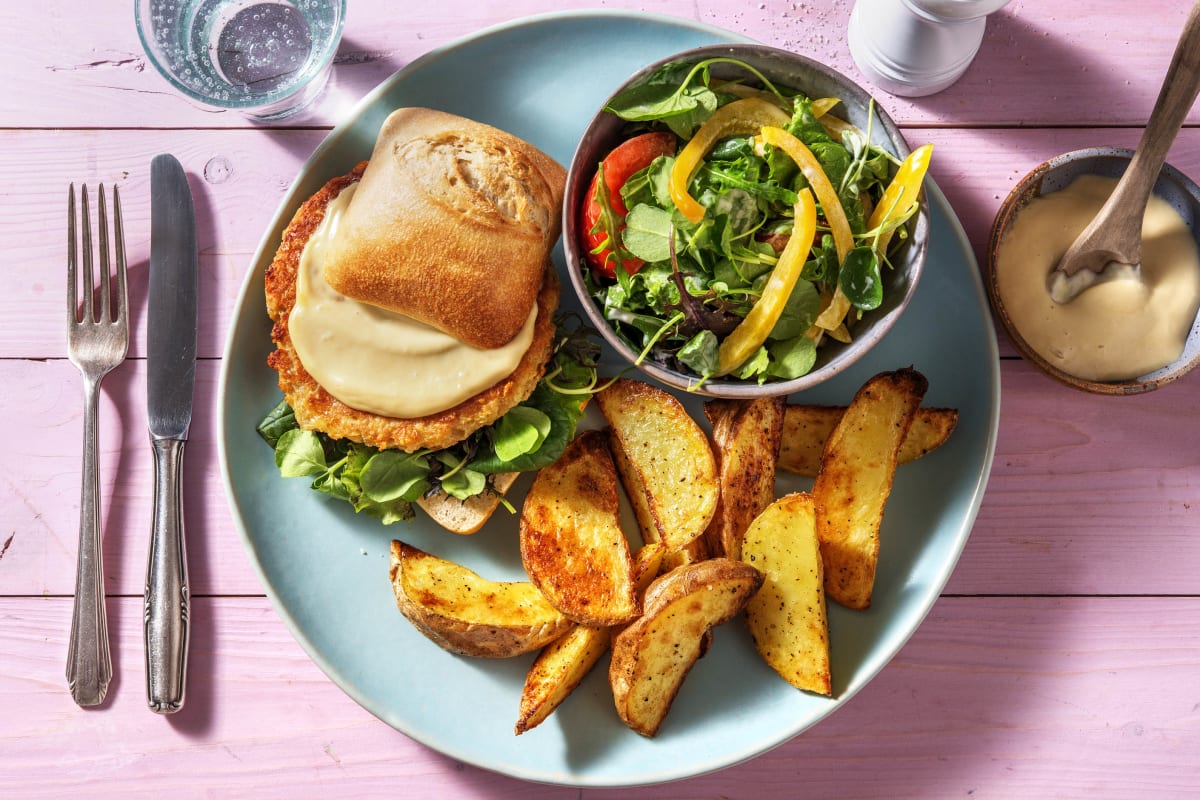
(1115, 234)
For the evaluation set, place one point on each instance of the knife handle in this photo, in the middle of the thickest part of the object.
(167, 604)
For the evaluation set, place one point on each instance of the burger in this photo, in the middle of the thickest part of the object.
(414, 305)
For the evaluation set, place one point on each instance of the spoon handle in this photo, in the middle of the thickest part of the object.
(1175, 99)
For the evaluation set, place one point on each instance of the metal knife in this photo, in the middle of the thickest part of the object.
(170, 377)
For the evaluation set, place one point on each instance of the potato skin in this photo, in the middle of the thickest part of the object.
(469, 615)
(652, 656)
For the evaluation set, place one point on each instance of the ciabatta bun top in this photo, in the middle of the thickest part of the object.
(452, 224)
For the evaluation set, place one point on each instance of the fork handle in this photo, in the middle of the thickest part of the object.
(167, 603)
(89, 664)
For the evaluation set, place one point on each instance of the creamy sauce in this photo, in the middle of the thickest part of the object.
(379, 361)
(1122, 326)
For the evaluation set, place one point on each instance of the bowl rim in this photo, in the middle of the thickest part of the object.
(846, 355)
(1030, 188)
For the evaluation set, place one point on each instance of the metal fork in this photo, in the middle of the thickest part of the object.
(97, 341)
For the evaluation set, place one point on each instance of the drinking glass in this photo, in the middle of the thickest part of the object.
(265, 58)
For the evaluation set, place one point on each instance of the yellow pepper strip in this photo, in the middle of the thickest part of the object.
(752, 331)
(834, 313)
(739, 118)
(823, 105)
(827, 196)
(840, 334)
(831, 206)
(900, 194)
(836, 126)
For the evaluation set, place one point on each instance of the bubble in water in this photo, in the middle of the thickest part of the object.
(252, 51)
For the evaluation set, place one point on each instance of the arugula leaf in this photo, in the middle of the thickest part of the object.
(860, 279)
(792, 358)
(299, 454)
(804, 124)
(756, 364)
(563, 411)
(701, 353)
(522, 430)
(394, 475)
(278, 421)
(801, 311)
(823, 267)
(649, 185)
(648, 232)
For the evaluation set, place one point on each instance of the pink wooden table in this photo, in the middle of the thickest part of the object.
(1062, 660)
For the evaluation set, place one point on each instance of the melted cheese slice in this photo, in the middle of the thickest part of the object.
(379, 361)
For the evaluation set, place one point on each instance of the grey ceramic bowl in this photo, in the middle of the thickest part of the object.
(1055, 174)
(816, 80)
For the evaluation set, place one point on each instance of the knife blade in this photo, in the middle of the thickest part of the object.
(170, 379)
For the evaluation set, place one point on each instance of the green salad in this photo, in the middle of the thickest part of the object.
(727, 195)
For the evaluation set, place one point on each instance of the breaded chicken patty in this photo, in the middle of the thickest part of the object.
(318, 410)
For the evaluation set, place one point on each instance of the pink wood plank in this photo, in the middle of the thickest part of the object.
(1085, 496)
(237, 180)
(992, 698)
(1081, 486)
(1040, 62)
(42, 474)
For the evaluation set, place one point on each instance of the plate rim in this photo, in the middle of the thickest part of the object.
(268, 243)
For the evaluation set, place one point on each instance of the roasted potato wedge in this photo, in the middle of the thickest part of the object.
(557, 670)
(807, 427)
(467, 614)
(852, 488)
(565, 662)
(746, 437)
(664, 460)
(572, 544)
(467, 516)
(653, 655)
(786, 617)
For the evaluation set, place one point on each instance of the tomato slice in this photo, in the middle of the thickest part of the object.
(627, 158)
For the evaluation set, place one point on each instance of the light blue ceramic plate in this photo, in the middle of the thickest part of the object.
(327, 571)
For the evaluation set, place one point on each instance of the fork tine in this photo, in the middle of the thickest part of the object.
(122, 279)
(104, 313)
(72, 277)
(88, 276)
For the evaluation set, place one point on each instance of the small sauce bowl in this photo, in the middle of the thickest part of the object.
(1058, 173)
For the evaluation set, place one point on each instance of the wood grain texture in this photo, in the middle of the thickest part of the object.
(1055, 62)
(992, 698)
(1063, 659)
